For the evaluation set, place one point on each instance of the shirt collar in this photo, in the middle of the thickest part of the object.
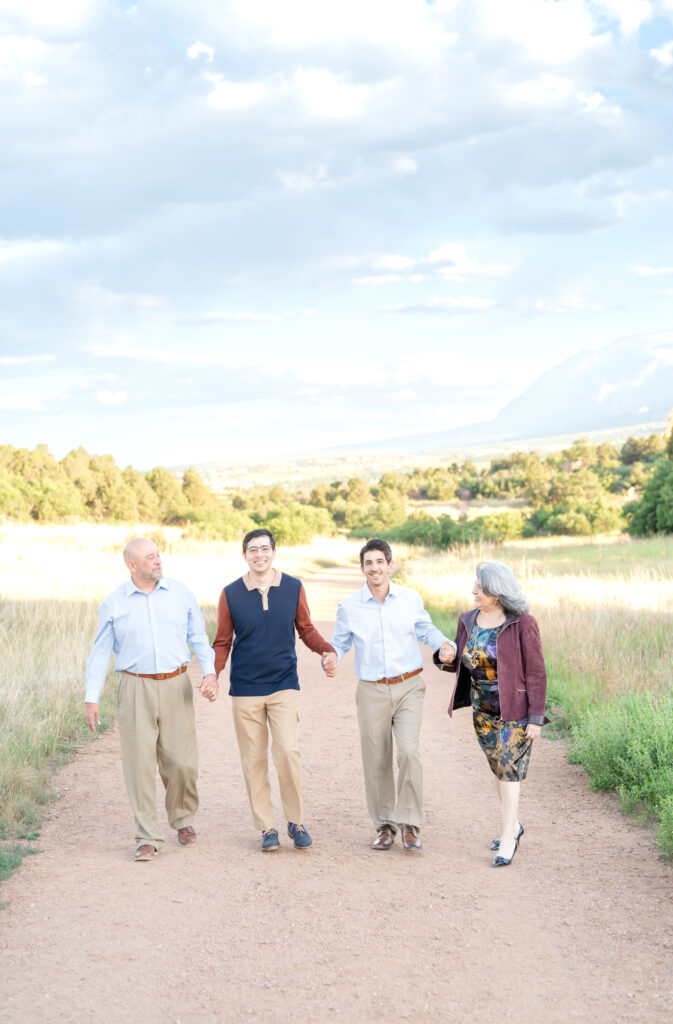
(131, 588)
(393, 591)
(249, 585)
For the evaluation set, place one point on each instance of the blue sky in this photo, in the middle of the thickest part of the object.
(239, 228)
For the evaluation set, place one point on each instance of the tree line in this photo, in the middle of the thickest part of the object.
(581, 490)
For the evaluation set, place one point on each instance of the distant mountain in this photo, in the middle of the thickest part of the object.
(625, 383)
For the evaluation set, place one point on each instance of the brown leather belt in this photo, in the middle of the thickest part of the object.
(157, 675)
(398, 679)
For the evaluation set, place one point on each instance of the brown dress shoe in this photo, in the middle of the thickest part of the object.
(187, 836)
(410, 837)
(384, 839)
(145, 852)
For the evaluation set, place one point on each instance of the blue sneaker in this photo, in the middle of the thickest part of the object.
(299, 835)
(270, 840)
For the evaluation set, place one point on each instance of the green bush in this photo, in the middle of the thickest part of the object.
(627, 746)
(298, 524)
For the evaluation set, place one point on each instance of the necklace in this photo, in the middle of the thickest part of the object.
(469, 653)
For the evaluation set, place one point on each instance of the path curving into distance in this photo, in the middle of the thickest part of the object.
(579, 928)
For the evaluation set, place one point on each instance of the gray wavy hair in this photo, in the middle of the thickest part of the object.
(498, 580)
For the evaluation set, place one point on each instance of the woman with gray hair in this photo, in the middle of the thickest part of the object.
(500, 673)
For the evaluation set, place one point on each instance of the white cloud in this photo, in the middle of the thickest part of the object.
(235, 318)
(443, 304)
(651, 271)
(546, 90)
(570, 303)
(630, 14)
(411, 26)
(395, 262)
(327, 95)
(379, 279)
(227, 95)
(551, 31)
(591, 100)
(22, 49)
(664, 54)
(196, 49)
(64, 16)
(16, 360)
(20, 403)
(453, 263)
(315, 177)
(24, 250)
(466, 302)
(112, 397)
(404, 165)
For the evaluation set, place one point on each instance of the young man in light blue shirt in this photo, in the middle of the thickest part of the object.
(385, 622)
(147, 623)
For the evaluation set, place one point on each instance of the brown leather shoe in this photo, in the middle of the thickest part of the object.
(410, 837)
(187, 836)
(384, 839)
(145, 852)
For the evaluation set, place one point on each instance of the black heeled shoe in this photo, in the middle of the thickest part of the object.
(495, 845)
(502, 862)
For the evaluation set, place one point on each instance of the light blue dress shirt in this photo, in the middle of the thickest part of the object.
(148, 633)
(386, 634)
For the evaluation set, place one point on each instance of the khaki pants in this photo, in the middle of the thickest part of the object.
(156, 727)
(280, 711)
(385, 711)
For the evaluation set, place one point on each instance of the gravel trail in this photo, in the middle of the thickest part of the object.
(579, 928)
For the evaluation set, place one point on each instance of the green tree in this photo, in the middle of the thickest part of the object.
(173, 505)
(642, 449)
(654, 512)
(196, 492)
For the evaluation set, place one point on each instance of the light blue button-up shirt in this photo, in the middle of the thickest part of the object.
(148, 633)
(386, 634)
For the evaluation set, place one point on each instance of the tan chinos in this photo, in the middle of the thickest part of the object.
(254, 718)
(156, 727)
(384, 711)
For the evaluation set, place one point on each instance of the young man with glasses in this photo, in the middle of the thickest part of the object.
(256, 621)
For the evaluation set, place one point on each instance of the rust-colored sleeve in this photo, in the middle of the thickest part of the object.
(308, 634)
(224, 636)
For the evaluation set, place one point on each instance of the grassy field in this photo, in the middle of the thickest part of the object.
(605, 611)
(53, 581)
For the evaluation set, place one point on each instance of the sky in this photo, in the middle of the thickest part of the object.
(237, 229)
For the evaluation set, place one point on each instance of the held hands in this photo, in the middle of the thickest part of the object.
(447, 653)
(330, 664)
(208, 687)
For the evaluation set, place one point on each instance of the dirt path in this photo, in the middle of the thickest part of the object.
(577, 929)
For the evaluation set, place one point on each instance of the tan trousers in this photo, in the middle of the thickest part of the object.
(385, 711)
(280, 711)
(156, 727)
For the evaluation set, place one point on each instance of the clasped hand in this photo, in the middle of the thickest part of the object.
(330, 663)
(208, 687)
(447, 653)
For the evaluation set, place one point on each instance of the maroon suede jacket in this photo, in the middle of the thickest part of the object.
(522, 677)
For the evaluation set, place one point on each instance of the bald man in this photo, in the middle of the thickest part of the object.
(147, 623)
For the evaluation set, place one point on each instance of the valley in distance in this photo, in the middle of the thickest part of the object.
(300, 471)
